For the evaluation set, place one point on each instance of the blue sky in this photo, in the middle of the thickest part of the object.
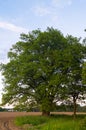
(17, 16)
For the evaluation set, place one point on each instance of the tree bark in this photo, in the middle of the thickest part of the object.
(45, 113)
(74, 104)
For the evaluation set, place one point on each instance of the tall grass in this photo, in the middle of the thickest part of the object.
(60, 125)
(58, 122)
(33, 120)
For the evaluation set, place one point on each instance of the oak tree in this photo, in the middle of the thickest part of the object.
(35, 71)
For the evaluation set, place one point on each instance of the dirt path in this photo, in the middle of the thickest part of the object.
(7, 124)
(7, 119)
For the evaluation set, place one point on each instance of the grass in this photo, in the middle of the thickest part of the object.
(33, 120)
(54, 122)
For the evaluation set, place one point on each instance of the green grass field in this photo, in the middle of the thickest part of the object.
(54, 122)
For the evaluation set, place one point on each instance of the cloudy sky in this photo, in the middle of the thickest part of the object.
(17, 16)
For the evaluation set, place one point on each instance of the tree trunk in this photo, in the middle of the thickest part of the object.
(45, 113)
(74, 104)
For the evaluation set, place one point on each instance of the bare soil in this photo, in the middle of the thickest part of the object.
(6, 118)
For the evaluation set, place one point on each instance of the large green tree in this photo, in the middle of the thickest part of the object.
(36, 70)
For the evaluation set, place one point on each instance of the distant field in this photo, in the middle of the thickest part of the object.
(15, 114)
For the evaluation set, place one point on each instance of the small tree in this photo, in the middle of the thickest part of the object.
(75, 55)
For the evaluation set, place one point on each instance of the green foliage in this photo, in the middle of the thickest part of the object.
(75, 54)
(43, 68)
(2, 109)
(34, 70)
(84, 73)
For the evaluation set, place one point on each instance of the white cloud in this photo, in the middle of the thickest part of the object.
(61, 3)
(12, 27)
(41, 11)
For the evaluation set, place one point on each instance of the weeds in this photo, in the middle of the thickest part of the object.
(54, 122)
